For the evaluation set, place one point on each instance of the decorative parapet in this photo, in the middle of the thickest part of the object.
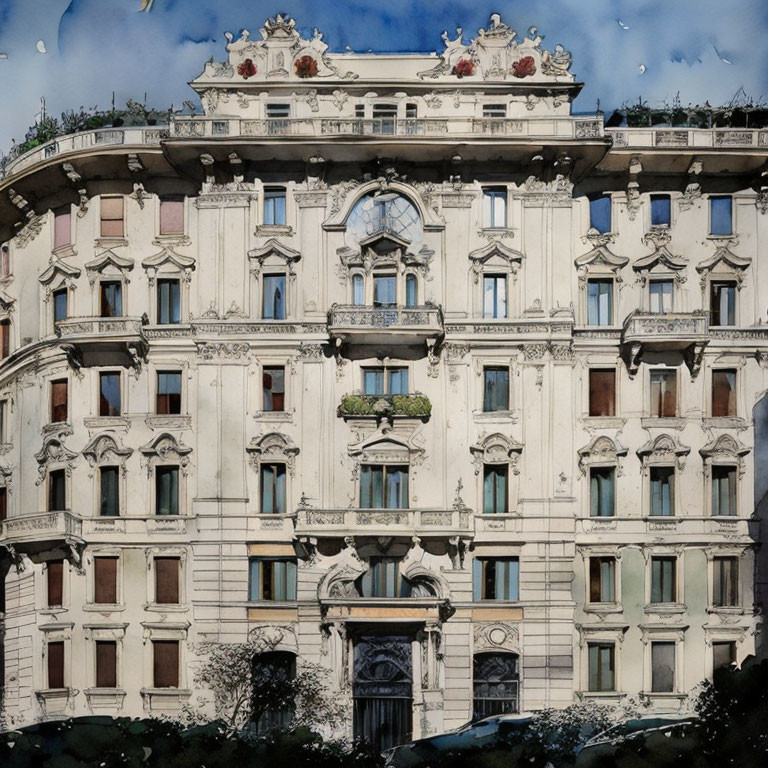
(419, 522)
(414, 405)
(349, 316)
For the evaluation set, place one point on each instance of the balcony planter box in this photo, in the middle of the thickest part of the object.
(414, 406)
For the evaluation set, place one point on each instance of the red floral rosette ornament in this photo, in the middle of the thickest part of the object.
(463, 68)
(524, 67)
(305, 66)
(246, 69)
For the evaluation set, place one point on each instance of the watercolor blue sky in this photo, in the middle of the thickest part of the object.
(703, 49)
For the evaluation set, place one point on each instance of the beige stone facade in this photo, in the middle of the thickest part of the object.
(349, 342)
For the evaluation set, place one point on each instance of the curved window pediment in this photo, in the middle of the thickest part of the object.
(389, 212)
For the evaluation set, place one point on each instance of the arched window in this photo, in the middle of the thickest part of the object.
(496, 683)
(411, 291)
(387, 212)
(383, 579)
(272, 676)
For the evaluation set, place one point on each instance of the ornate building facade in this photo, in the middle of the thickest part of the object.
(394, 363)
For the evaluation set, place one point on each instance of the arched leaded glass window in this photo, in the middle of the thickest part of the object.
(387, 212)
(496, 681)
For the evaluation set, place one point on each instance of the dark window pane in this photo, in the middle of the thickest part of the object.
(660, 210)
(602, 577)
(663, 580)
(273, 489)
(662, 481)
(55, 582)
(111, 299)
(62, 227)
(724, 393)
(725, 589)
(105, 580)
(601, 666)
(109, 505)
(495, 681)
(721, 215)
(602, 392)
(171, 217)
(601, 491)
(663, 667)
(168, 302)
(112, 217)
(109, 394)
(496, 389)
(411, 291)
(106, 664)
(722, 303)
(384, 291)
(663, 394)
(167, 571)
(59, 400)
(274, 206)
(166, 663)
(55, 664)
(723, 654)
(600, 213)
(274, 388)
(57, 487)
(59, 305)
(599, 302)
(167, 490)
(274, 297)
(494, 489)
(168, 392)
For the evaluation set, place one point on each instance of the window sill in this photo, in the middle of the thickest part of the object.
(104, 699)
(57, 428)
(663, 422)
(601, 694)
(166, 607)
(665, 608)
(273, 415)
(177, 238)
(729, 610)
(603, 608)
(604, 422)
(733, 422)
(103, 422)
(492, 232)
(495, 416)
(53, 610)
(265, 230)
(164, 699)
(64, 251)
(663, 695)
(104, 607)
(168, 421)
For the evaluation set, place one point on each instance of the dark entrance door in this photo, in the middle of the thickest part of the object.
(383, 690)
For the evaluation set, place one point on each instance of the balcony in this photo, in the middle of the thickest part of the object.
(103, 340)
(332, 523)
(686, 332)
(43, 534)
(413, 406)
(385, 325)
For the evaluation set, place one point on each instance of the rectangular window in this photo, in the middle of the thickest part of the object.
(358, 290)
(384, 118)
(494, 489)
(722, 303)
(3, 505)
(168, 392)
(168, 302)
(57, 490)
(55, 579)
(723, 490)
(723, 393)
(383, 486)
(166, 490)
(272, 579)
(496, 578)
(602, 579)
(661, 211)
(62, 227)
(384, 291)
(662, 491)
(111, 298)
(165, 665)
(273, 500)
(106, 664)
(109, 394)
(385, 381)
(494, 110)
(662, 667)
(411, 111)
(273, 380)
(360, 111)
(59, 400)
(112, 224)
(167, 572)
(725, 587)
(494, 207)
(274, 206)
(278, 110)
(599, 302)
(663, 580)
(55, 651)
(663, 394)
(105, 580)
(495, 389)
(721, 215)
(602, 392)
(662, 296)
(5, 339)
(723, 654)
(602, 668)
(60, 305)
(601, 491)
(274, 297)
(600, 213)
(109, 503)
(171, 217)
(494, 296)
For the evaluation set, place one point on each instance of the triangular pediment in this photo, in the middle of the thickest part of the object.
(497, 250)
(59, 268)
(106, 259)
(169, 256)
(724, 255)
(384, 241)
(601, 255)
(663, 257)
(6, 302)
(274, 248)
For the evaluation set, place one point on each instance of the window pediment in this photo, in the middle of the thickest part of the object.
(165, 447)
(661, 255)
(601, 256)
(723, 257)
(59, 270)
(273, 447)
(107, 260)
(495, 254)
(103, 449)
(724, 449)
(495, 449)
(53, 452)
(601, 450)
(387, 447)
(273, 252)
(664, 449)
(6, 303)
(168, 258)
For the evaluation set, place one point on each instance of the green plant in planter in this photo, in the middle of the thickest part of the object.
(416, 405)
(357, 405)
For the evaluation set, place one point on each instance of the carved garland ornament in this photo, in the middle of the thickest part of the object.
(54, 452)
(103, 449)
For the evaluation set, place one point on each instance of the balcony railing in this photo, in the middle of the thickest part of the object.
(672, 328)
(694, 138)
(103, 340)
(41, 530)
(345, 522)
(415, 406)
(99, 327)
(382, 324)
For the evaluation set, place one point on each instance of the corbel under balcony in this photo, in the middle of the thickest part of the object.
(685, 333)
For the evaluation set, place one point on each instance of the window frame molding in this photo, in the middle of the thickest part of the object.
(90, 583)
(497, 449)
(495, 258)
(663, 633)
(676, 551)
(662, 451)
(273, 448)
(727, 451)
(601, 633)
(103, 450)
(151, 604)
(589, 551)
(109, 632)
